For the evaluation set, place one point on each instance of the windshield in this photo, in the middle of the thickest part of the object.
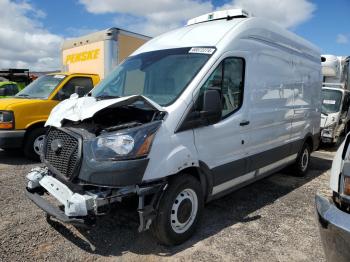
(159, 75)
(331, 100)
(42, 87)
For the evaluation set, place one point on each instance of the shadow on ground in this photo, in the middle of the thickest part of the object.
(14, 157)
(117, 233)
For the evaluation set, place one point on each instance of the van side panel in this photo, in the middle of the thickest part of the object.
(307, 99)
(271, 106)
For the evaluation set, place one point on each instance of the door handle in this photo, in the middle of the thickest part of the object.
(244, 123)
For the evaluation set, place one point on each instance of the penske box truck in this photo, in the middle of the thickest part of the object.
(99, 52)
(335, 118)
(85, 60)
(190, 116)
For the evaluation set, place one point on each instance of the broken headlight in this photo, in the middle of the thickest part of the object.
(125, 144)
(328, 131)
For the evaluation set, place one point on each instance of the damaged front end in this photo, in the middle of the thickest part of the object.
(98, 159)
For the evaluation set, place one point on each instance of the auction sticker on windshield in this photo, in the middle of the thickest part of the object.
(329, 102)
(202, 50)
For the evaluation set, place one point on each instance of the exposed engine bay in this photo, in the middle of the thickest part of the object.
(118, 117)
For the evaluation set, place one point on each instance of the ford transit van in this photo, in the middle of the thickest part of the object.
(190, 116)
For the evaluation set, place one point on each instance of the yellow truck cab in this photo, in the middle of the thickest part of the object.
(23, 116)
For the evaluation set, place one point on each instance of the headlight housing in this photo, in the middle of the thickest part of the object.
(329, 130)
(346, 185)
(129, 143)
(7, 120)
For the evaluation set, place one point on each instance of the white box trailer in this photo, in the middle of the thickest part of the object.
(99, 52)
(335, 118)
(190, 116)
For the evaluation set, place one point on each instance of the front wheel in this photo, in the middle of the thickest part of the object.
(179, 211)
(302, 164)
(34, 143)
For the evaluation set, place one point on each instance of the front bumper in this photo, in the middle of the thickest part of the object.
(83, 207)
(11, 138)
(334, 227)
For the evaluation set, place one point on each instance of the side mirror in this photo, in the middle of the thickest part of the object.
(80, 90)
(2, 91)
(212, 106)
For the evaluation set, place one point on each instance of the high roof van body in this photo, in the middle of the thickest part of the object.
(335, 113)
(190, 116)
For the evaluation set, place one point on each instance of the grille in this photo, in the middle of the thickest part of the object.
(64, 158)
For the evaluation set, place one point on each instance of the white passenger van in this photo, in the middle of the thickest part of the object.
(190, 116)
(335, 113)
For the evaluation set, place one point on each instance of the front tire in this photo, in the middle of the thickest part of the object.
(33, 143)
(179, 212)
(302, 164)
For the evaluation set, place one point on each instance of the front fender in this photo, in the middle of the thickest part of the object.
(170, 154)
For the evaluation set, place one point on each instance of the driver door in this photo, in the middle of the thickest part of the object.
(222, 146)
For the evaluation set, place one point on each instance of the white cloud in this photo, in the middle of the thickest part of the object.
(342, 39)
(287, 13)
(24, 42)
(156, 16)
(152, 16)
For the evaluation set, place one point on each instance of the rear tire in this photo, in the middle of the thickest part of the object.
(302, 164)
(179, 212)
(32, 144)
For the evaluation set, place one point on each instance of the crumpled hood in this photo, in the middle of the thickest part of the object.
(78, 109)
(328, 120)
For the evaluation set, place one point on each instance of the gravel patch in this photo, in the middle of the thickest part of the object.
(271, 220)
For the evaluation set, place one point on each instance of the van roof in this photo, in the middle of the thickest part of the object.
(219, 33)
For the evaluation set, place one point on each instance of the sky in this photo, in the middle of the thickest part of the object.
(32, 31)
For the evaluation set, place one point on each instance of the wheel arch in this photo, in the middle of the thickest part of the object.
(203, 174)
(32, 127)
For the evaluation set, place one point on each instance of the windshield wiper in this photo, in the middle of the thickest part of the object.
(324, 113)
(23, 95)
(102, 97)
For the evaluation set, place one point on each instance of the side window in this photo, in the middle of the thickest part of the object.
(229, 77)
(2, 90)
(13, 89)
(346, 103)
(69, 88)
(9, 90)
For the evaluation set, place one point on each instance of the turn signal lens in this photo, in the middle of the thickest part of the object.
(346, 186)
(8, 125)
(6, 120)
(144, 149)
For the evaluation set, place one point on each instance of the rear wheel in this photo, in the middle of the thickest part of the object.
(34, 143)
(302, 164)
(179, 211)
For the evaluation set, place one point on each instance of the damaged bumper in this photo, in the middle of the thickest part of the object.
(334, 227)
(81, 208)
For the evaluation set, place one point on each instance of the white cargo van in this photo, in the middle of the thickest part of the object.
(190, 116)
(335, 115)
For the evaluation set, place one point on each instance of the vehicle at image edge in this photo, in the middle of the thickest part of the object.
(192, 115)
(8, 88)
(86, 60)
(333, 210)
(335, 98)
(18, 75)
